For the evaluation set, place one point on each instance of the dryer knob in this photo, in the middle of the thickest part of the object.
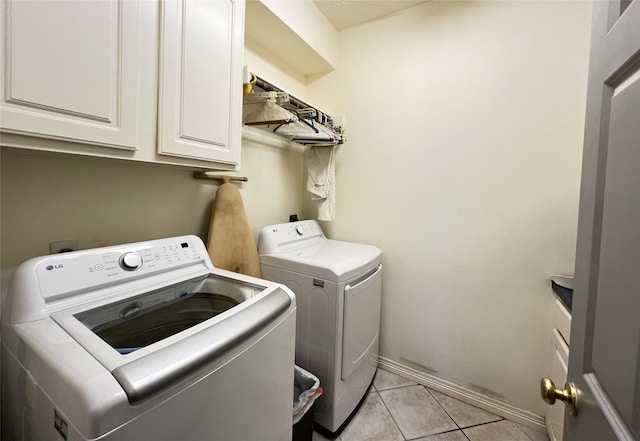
(300, 231)
(130, 261)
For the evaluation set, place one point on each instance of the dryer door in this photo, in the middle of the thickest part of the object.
(361, 321)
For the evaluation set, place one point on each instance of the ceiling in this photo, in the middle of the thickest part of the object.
(346, 13)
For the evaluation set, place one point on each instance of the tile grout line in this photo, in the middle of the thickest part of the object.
(487, 423)
(377, 391)
(448, 414)
(459, 427)
(442, 407)
(492, 422)
(398, 387)
(441, 433)
(390, 414)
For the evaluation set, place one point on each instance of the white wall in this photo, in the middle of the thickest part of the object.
(464, 126)
(103, 202)
(270, 67)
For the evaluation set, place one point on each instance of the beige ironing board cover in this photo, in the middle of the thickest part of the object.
(231, 245)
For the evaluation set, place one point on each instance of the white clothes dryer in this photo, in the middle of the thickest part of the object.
(145, 341)
(338, 288)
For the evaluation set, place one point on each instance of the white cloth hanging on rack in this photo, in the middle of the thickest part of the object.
(321, 180)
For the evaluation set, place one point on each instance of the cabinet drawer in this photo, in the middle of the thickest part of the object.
(562, 320)
(557, 368)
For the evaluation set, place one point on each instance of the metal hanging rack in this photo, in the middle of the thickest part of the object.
(296, 112)
(279, 98)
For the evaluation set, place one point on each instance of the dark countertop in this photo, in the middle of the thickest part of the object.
(564, 294)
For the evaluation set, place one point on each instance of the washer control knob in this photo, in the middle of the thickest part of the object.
(300, 231)
(130, 261)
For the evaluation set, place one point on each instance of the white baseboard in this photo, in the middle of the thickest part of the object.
(507, 411)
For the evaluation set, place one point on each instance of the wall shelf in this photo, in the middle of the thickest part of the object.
(273, 109)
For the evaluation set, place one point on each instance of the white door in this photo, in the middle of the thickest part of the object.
(69, 70)
(200, 101)
(604, 361)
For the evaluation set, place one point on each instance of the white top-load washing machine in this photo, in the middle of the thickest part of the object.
(338, 289)
(146, 341)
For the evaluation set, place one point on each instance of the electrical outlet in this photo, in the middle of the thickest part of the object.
(63, 246)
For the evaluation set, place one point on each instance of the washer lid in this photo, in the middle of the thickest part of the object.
(331, 260)
(152, 339)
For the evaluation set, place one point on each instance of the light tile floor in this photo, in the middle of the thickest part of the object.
(399, 409)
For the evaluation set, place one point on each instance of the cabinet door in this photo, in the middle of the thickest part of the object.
(69, 70)
(558, 359)
(200, 102)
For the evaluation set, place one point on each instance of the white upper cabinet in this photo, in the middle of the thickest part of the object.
(200, 107)
(150, 81)
(70, 71)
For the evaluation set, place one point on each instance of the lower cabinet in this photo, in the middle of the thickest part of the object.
(557, 365)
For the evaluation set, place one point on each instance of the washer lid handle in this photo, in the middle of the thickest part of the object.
(148, 375)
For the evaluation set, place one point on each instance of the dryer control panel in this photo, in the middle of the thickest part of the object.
(282, 237)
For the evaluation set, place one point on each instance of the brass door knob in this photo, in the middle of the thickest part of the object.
(569, 395)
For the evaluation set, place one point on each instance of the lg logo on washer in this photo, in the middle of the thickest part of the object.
(52, 267)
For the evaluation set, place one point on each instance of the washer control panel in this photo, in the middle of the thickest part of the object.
(66, 273)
